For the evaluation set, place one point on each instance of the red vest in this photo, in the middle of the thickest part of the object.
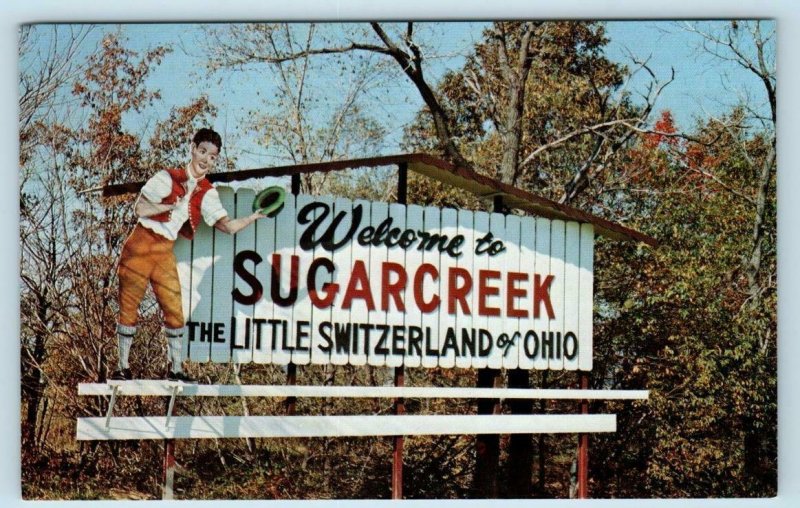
(179, 178)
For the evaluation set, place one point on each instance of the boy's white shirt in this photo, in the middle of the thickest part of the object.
(159, 186)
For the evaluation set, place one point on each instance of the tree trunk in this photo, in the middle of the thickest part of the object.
(32, 374)
(754, 262)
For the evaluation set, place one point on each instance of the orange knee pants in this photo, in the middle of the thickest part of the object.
(147, 258)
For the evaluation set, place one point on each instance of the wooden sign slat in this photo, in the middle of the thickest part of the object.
(342, 262)
(413, 318)
(284, 283)
(571, 287)
(245, 240)
(511, 264)
(359, 310)
(527, 265)
(447, 332)
(395, 316)
(464, 308)
(264, 308)
(541, 323)
(495, 298)
(300, 327)
(586, 300)
(480, 262)
(222, 284)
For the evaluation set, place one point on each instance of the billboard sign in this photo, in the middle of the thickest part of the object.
(339, 281)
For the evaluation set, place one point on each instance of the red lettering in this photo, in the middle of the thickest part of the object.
(456, 293)
(358, 287)
(393, 289)
(485, 291)
(513, 292)
(541, 294)
(330, 289)
(425, 269)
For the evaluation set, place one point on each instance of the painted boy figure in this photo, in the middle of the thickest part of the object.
(172, 202)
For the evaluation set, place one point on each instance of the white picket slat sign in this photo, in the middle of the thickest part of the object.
(342, 262)
(242, 335)
(222, 283)
(300, 326)
(557, 250)
(527, 266)
(571, 287)
(359, 310)
(447, 331)
(585, 313)
(423, 286)
(212, 427)
(480, 262)
(541, 324)
(285, 241)
(415, 348)
(378, 337)
(464, 321)
(264, 308)
(395, 316)
(495, 298)
(512, 263)
(428, 286)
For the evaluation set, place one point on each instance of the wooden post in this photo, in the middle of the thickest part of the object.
(168, 481)
(291, 369)
(397, 458)
(399, 372)
(583, 446)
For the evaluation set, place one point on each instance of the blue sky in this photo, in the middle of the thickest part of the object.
(702, 85)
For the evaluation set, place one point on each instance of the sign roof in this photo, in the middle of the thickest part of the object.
(443, 171)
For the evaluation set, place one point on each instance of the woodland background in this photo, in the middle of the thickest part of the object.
(538, 105)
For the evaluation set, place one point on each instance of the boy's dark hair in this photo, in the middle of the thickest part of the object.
(209, 135)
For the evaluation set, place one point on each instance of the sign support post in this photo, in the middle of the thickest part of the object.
(399, 372)
(167, 492)
(583, 445)
(291, 368)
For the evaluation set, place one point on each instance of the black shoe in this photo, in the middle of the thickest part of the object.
(121, 375)
(180, 376)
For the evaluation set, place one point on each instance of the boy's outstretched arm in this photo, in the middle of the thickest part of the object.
(233, 226)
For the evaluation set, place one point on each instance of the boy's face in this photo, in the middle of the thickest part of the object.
(204, 158)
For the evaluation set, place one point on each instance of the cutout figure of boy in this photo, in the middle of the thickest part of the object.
(172, 202)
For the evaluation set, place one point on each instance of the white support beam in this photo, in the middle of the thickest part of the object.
(165, 389)
(211, 427)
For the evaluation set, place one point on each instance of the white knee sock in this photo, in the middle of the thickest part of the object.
(124, 340)
(175, 347)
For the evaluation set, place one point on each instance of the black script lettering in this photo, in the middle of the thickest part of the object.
(309, 239)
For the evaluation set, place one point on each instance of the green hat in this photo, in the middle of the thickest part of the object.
(269, 201)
